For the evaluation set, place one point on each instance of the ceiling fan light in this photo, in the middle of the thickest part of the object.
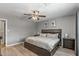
(34, 17)
(36, 13)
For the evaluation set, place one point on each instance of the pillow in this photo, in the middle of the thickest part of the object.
(52, 35)
(43, 35)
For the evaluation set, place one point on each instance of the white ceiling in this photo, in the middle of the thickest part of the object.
(53, 10)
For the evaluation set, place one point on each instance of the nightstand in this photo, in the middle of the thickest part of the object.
(69, 43)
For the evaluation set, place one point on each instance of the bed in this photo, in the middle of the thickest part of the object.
(44, 46)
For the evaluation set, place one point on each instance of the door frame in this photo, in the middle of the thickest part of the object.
(5, 30)
(76, 41)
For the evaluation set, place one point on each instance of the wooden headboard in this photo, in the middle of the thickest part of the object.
(53, 31)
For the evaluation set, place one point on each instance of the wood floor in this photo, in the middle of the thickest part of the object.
(19, 50)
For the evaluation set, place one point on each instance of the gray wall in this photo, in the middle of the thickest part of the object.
(19, 29)
(67, 24)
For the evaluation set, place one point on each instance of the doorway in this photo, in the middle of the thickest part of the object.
(2, 33)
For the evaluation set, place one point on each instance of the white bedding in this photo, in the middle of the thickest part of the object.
(43, 42)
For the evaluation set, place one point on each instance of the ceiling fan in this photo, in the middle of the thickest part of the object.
(35, 15)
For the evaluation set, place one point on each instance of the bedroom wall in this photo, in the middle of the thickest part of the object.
(67, 24)
(18, 30)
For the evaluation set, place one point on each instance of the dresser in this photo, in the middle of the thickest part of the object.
(69, 43)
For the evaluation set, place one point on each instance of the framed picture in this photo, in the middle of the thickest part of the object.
(53, 23)
(45, 24)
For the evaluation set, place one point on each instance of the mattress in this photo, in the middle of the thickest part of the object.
(43, 42)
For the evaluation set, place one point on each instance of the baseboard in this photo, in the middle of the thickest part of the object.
(14, 44)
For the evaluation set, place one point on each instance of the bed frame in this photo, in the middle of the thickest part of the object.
(41, 51)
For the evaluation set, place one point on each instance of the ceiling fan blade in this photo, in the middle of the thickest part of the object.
(42, 16)
(29, 17)
(27, 14)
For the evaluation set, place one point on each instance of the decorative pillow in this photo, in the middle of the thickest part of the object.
(43, 35)
(52, 35)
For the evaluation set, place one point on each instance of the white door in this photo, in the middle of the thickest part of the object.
(2, 32)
